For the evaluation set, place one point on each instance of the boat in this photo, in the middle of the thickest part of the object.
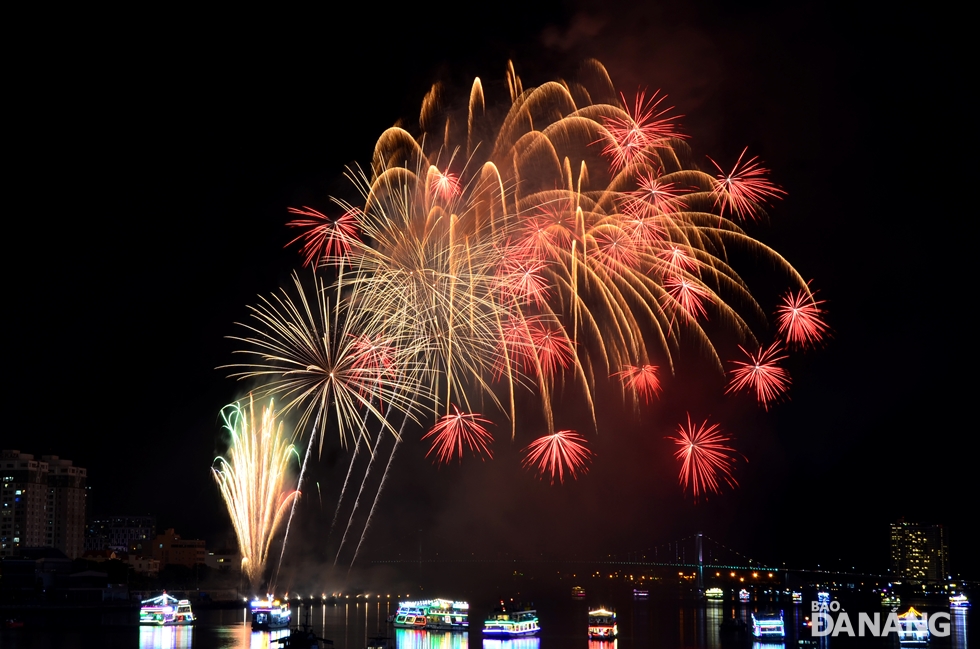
(602, 624)
(743, 595)
(714, 593)
(890, 600)
(268, 615)
(578, 592)
(797, 597)
(959, 601)
(733, 625)
(768, 626)
(302, 639)
(510, 620)
(914, 629)
(13, 623)
(432, 614)
(166, 610)
(640, 593)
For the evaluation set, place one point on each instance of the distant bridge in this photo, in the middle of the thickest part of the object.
(696, 553)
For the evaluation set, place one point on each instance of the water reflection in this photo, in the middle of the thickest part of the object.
(603, 644)
(958, 628)
(419, 639)
(512, 643)
(166, 637)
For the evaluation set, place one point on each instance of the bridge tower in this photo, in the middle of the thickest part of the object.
(698, 542)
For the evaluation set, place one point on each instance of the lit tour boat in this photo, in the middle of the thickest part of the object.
(166, 610)
(510, 620)
(714, 593)
(914, 629)
(268, 615)
(602, 624)
(743, 595)
(578, 592)
(640, 593)
(797, 597)
(959, 601)
(433, 614)
(768, 626)
(890, 599)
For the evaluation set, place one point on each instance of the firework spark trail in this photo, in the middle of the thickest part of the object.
(292, 509)
(357, 502)
(252, 480)
(377, 496)
(706, 459)
(343, 490)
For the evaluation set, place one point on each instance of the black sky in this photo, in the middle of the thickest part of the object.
(153, 162)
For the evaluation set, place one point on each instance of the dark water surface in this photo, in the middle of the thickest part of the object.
(659, 622)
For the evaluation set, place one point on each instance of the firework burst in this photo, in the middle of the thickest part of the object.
(454, 432)
(801, 320)
(252, 477)
(762, 375)
(707, 462)
(642, 380)
(563, 452)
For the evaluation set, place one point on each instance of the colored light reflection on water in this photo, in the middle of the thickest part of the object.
(419, 639)
(510, 643)
(166, 637)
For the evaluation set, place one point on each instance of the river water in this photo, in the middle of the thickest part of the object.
(658, 622)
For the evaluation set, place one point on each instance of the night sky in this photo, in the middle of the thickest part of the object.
(153, 166)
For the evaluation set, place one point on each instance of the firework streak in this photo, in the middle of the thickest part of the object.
(252, 478)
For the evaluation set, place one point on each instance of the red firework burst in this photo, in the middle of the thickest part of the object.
(325, 236)
(532, 343)
(558, 454)
(706, 459)
(444, 185)
(616, 248)
(653, 193)
(800, 319)
(643, 380)
(453, 432)
(523, 280)
(761, 374)
(678, 258)
(689, 294)
(552, 347)
(745, 188)
(641, 127)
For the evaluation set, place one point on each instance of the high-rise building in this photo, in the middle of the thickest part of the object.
(120, 533)
(919, 551)
(42, 504)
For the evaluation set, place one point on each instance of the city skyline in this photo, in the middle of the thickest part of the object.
(183, 226)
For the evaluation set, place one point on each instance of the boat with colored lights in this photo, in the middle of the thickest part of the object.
(768, 626)
(959, 601)
(640, 593)
(743, 595)
(432, 614)
(914, 629)
(890, 600)
(797, 597)
(511, 620)
(578, 592)
(269, 614)
(714, 593)
(166, 610)
(602, 624)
